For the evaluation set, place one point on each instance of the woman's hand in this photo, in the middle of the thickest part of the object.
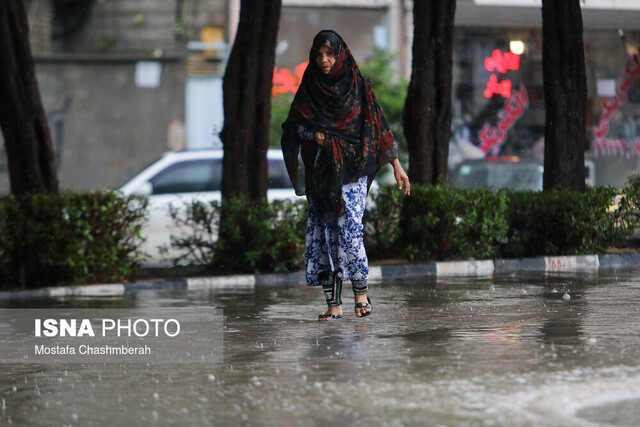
(321, 139)
(401, 177)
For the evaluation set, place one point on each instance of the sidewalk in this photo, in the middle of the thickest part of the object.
(377, 273)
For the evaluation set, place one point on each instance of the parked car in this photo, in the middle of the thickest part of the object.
(180, 178)
(513, 175)
(510, 173)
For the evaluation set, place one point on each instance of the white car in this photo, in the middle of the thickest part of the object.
(181, 178)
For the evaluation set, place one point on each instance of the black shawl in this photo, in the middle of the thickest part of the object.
(343, 106)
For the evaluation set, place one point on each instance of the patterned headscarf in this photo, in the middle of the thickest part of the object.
(343, 106)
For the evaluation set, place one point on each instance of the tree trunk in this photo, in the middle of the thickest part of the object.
(565, 93)
(247, 100)
(427, 110)
(30, 153)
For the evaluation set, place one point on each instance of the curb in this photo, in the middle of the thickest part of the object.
(377, 273)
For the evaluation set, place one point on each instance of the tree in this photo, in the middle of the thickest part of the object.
(565, 93)
(24, 126)
(427, 111)
(247, 99)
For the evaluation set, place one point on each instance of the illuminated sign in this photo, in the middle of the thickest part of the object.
(285, 81)
(610, 105)
(492, 137)
(501, 63)
(493, 87)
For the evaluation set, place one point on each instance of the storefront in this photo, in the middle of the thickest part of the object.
(498, 96)
(498, 87)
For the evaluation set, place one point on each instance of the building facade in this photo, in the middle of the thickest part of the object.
(123, 81)
(114, 77)
(498, 87)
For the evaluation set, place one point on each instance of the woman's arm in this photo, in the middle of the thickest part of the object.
(401, 177)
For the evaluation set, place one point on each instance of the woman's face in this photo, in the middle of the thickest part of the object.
(325, 59)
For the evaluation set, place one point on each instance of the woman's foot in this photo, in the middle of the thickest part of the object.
(363, 306)
(334, 312)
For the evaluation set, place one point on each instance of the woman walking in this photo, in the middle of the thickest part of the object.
(337, 125)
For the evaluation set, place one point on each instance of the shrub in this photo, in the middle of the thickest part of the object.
(563, 222)
(253, 237)
(197, 233)
(632, 192)
(382, 223)
(436, 223)
(50, 239)
(445, 223)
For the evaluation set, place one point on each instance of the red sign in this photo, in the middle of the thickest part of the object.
(611, 104)
(503, 88)
(501, 63)
(285, 81)
(492, 137)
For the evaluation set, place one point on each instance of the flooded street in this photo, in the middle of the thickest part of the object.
(530, 350)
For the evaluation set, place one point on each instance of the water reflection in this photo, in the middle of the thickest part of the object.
(455, 351)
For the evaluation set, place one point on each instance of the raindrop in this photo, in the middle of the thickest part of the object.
(155, 416)
(4, 405)
(592, 341)
(566, 296)
(74, 416)
(156, 396)
(211, 377)
(554, 291)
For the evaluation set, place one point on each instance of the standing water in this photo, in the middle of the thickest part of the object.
(532, 349)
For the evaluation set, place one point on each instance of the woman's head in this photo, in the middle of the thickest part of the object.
(325, 58)
(327, 51)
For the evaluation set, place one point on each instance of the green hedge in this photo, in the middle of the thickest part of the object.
(562, 222)
(255, 237)
(436, 223)
(448, 223)
(51, 239)
(439, 223)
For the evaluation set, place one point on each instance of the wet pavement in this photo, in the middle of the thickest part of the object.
(529, 350)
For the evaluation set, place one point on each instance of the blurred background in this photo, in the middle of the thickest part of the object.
(124, 81)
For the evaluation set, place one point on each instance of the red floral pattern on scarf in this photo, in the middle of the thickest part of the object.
(343, 106)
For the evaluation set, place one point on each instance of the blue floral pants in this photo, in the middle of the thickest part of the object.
(335, 247)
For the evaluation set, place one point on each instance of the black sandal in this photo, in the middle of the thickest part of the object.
(324, 317)
(365, 305)
(332, 288)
